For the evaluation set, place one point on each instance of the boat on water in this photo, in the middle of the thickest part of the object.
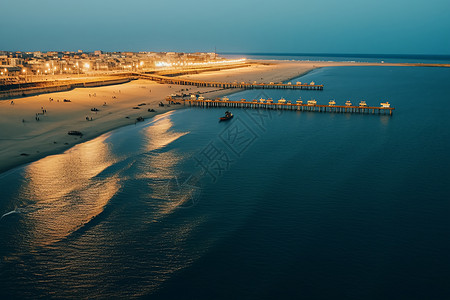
(228, 116)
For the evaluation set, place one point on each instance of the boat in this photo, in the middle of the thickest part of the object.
(312, 102)
(385, 104)
(282, 100)
(331, 103)
(362, 103)
(348, 103)
(228, 116)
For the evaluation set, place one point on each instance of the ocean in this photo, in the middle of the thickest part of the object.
(269, 205)
(370, 58)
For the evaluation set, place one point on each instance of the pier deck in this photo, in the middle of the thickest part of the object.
(230, 85)
(284, 106)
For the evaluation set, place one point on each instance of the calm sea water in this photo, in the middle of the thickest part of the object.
(270, 205)
(389, 58)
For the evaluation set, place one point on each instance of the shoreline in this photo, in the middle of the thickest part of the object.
(24, 142)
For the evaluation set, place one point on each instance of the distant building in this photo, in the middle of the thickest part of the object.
(14, 61)
(3, 59)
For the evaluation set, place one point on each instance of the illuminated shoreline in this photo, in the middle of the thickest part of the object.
(24, 139)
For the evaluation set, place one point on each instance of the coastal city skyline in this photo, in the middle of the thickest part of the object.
(386, 27)
(26, 66)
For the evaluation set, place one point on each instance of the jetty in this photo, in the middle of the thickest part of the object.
(231, 85)
(282, 104)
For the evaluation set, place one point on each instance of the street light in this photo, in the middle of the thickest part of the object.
(86, 67)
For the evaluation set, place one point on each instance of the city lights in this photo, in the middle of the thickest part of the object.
(65, 63)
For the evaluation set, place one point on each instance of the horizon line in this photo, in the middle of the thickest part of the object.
(335, 54)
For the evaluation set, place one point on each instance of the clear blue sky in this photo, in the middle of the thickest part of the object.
(315, 26)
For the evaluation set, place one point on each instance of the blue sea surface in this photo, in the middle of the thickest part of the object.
(269, 205)
(373, 58)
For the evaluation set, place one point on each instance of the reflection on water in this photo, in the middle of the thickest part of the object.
(159, 134)
(85, 209)
(55, 176)
(384, 119)
(64, 192)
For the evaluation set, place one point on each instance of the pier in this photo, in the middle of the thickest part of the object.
(232, 85)
(282, 104)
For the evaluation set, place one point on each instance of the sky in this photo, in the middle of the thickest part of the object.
(277, 26)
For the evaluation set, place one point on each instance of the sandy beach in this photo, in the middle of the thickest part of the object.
(23, 138)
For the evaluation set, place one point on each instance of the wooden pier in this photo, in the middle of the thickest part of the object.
(232, 85)
(312, 107)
